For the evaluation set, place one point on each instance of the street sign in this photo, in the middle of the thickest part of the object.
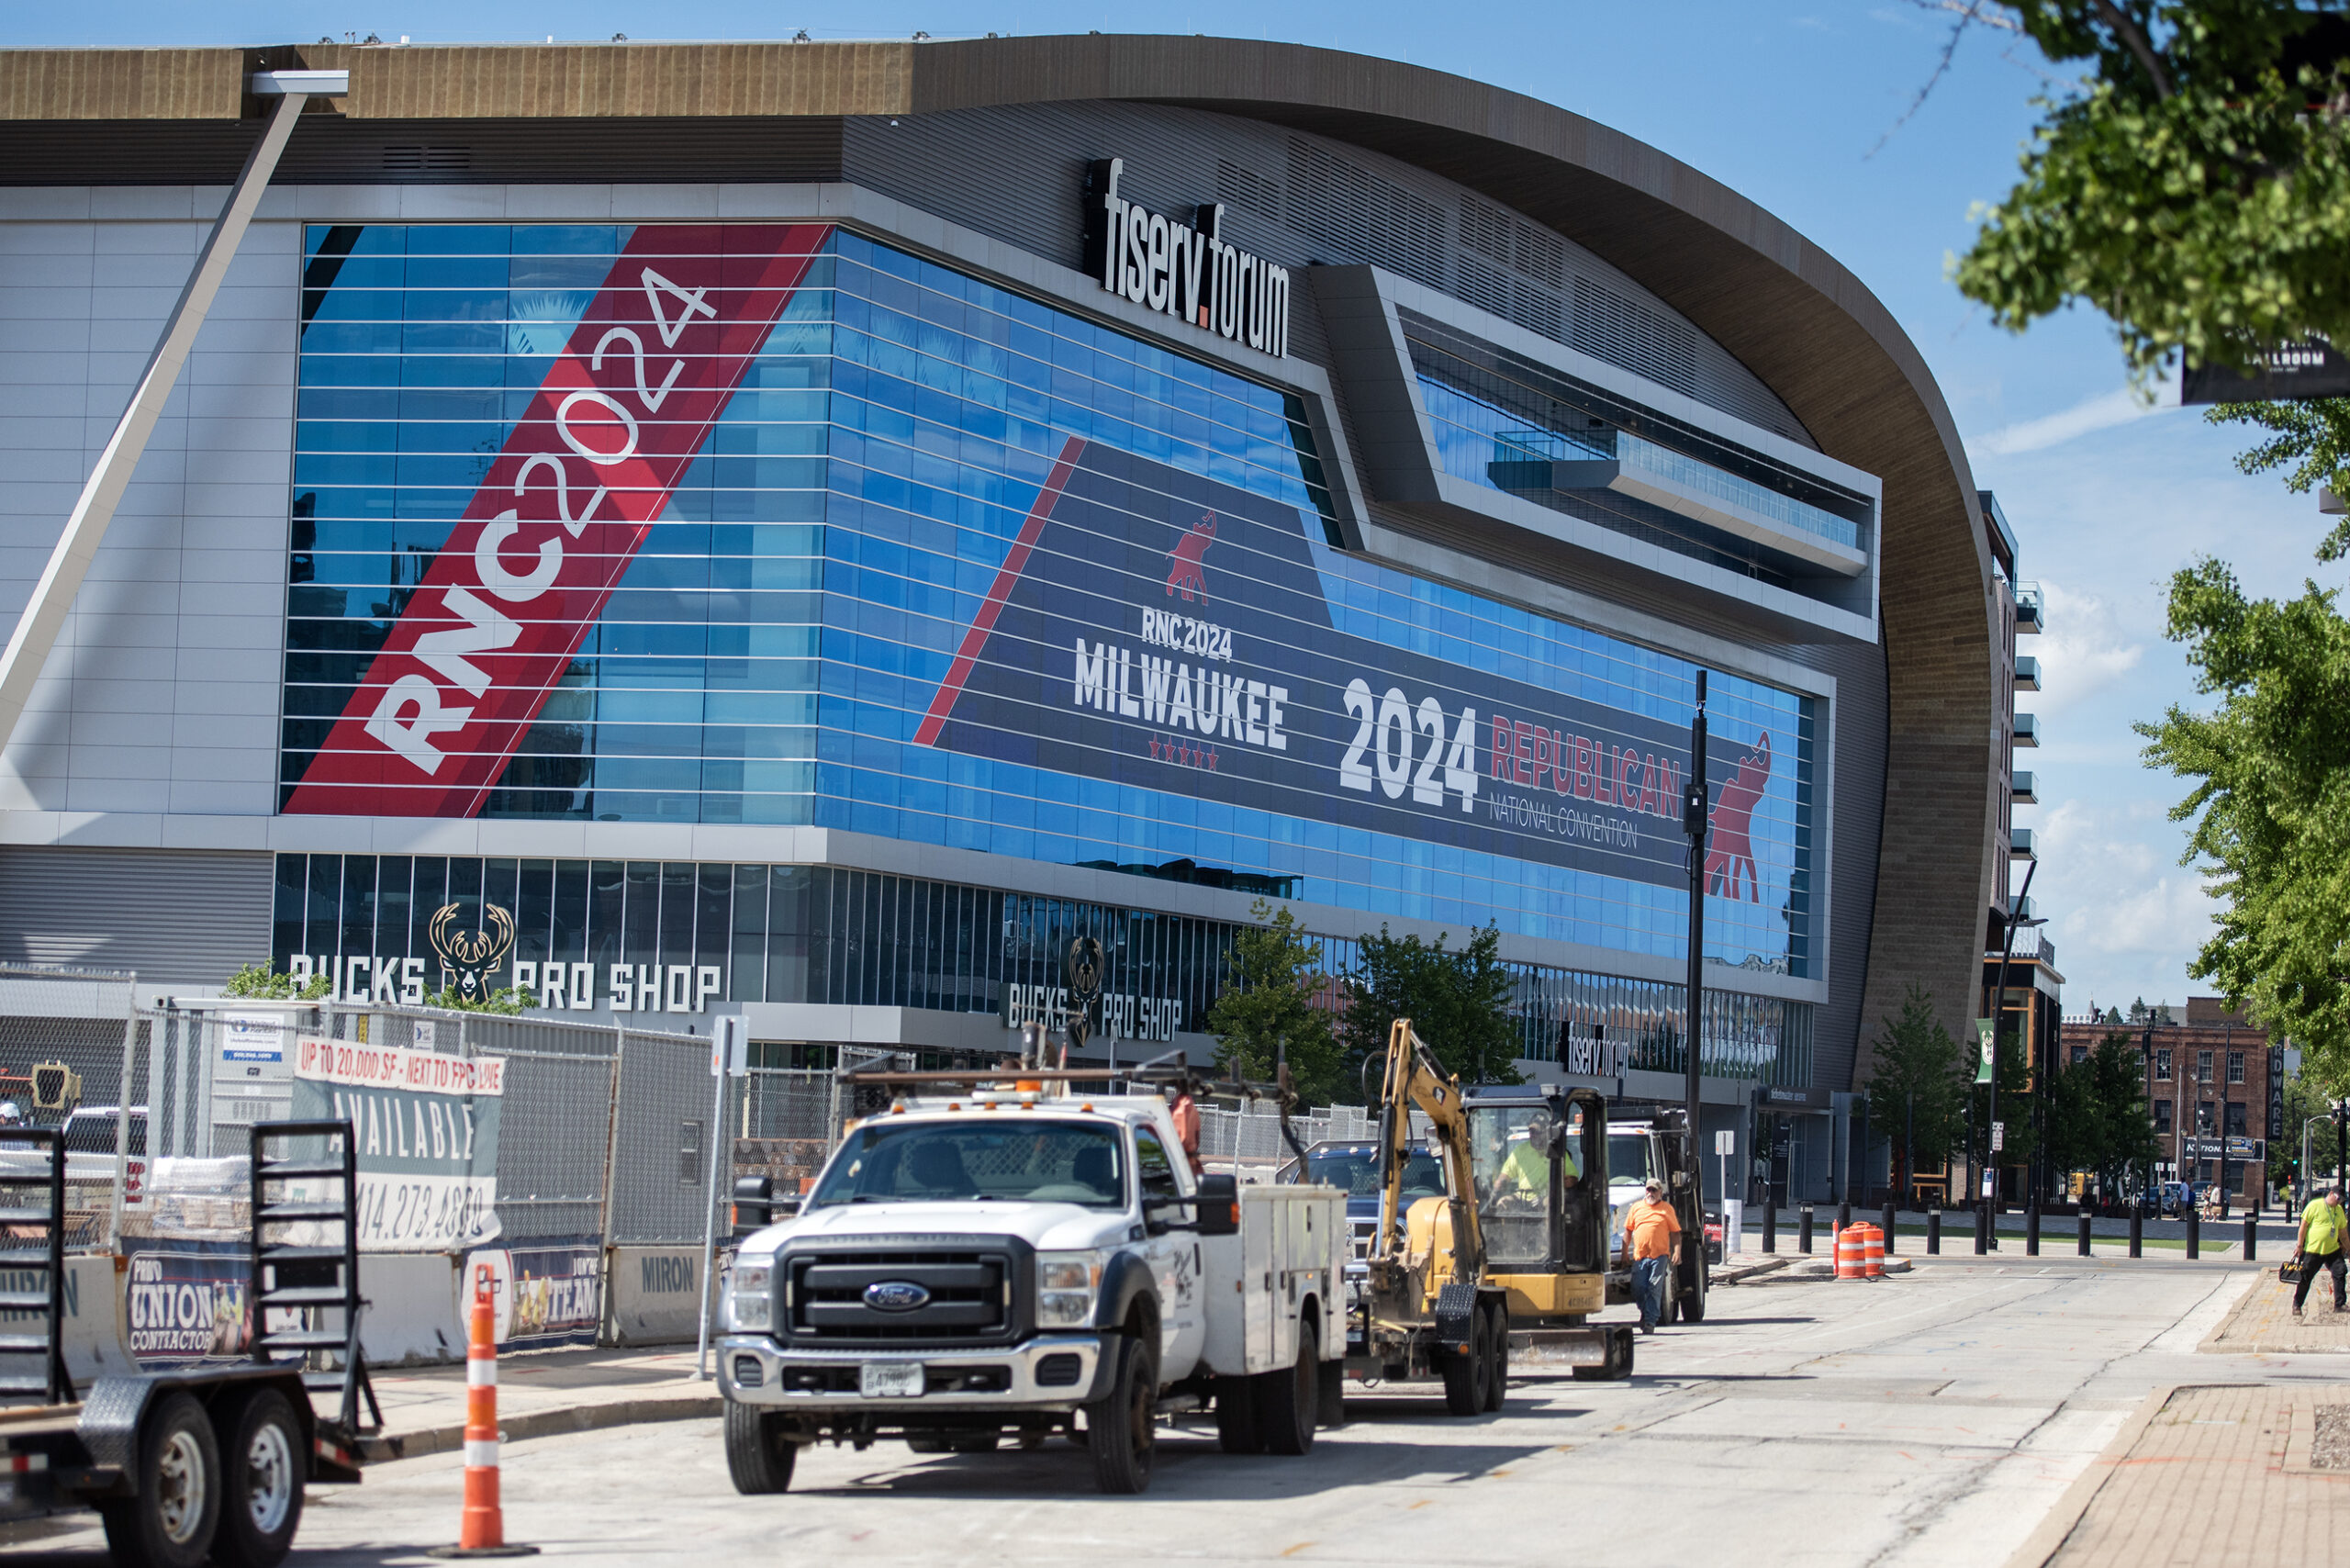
(1725, 1142)
(1999, 1137)
(730, 1046)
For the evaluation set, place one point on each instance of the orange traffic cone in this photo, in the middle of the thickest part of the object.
(481, 1530)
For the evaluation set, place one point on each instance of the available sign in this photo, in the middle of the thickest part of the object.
(426, 1127)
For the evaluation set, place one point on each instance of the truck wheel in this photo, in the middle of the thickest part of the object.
(170, 1523)
(1237, 1428)
(262, 1474)
(1497, 1372)
(1119, 1429)
(1691, 1296)
(1286, 1400)
(1466, 1378)
(758, 1457)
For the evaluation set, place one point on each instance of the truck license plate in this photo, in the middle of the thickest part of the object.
(890, 1380)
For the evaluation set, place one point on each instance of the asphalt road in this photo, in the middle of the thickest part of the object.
(1927, 1419)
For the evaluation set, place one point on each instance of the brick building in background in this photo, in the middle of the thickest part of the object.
(2215, 1076)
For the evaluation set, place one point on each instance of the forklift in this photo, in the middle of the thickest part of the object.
(205, 1462)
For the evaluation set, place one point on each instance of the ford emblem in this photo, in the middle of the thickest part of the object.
(895, 1296)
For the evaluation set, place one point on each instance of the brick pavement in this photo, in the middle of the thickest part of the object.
(2204, 1477)
(2262, 1323)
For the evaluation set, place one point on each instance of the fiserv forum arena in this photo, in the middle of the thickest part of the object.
(807, 527)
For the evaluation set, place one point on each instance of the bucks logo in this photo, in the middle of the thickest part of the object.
(469, 958)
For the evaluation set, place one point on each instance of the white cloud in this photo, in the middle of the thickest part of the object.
(2084, 651)
(2125, 916)
(2119, 407)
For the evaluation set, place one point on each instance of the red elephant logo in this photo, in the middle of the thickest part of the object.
(1183, 562)
(1733, 821)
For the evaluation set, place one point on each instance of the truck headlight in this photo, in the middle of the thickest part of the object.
(1066, 1286)
(750, 1296)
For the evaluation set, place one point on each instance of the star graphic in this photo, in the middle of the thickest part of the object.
(1154, 746)
(1211, 759)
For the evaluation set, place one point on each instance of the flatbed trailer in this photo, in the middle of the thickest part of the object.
(204, 1463)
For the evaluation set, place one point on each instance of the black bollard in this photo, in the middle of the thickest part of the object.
(1770, 1225)
(1803, 1232)
(1889, 1217)
(2084, 1233)
(1843, 1217)
(2252, 1238)
(1982, 1229)
(1933, 1233)
(2138, 1230)
(2031, 1230)
(2194, 1234)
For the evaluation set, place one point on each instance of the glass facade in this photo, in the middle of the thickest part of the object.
(799, 934)
(1503, 422)
(770, 648)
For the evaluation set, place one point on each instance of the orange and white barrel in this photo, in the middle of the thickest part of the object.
(1873, 1253)
(1852, 1253)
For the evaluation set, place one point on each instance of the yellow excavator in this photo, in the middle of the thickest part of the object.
(1516, 1249)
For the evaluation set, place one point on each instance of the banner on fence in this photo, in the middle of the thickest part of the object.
(187, 1303)
(426, 1127)
(548, 1294)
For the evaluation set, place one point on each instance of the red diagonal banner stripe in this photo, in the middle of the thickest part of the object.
(563, 512)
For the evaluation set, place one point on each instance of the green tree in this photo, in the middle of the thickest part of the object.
(2124, 1143)
(2302, 1101)
(1458, 1001)
(262, 982)
(1274, 998)
(2310, 439)
(2192, 184)
(1916, 1077)
(505, 1004)
(2268, 803)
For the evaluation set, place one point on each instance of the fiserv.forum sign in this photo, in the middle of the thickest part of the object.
(1183, 270)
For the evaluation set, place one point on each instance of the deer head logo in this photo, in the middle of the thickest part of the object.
(469, 958)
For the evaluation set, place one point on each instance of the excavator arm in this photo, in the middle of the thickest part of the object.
(1413, 1079)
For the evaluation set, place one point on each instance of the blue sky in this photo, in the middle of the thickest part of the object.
(1791, 105)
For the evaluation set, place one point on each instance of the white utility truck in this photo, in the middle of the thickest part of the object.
(982, 1261)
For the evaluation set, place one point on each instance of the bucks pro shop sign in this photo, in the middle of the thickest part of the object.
(426, 1127)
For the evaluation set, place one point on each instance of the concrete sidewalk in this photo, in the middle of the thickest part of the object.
(538, 1394)
(2206, 1477)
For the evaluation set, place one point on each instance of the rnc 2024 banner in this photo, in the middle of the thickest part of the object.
(1151, 627)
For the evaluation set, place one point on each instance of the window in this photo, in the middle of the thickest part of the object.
(2236, 1114)
(2162, 1116)
(2162, 1065)
(2202, 1066)
(2235, 1066)
(2081, 1055)
(1156, 1170)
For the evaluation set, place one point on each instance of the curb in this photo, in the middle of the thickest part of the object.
(2048, 1537)
(385, 1446)
(1746, 1272)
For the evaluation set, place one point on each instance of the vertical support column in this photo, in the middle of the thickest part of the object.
(77, 547)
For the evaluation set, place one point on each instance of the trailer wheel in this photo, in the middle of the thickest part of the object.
(1497, 1372)
(1467, 1378)
(170, 1523)
(1237, 1428)
(1120, 1430)
(260, 1500)
(1286, 1400)
(758, 1457)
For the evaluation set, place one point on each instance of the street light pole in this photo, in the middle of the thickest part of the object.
(1695, 809)
(1998, 1013)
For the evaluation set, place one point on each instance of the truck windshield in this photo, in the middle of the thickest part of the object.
(1628, 1161)
(1356, 1173)
(934, 1162)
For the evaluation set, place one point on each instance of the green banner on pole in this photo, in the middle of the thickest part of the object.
(1984, 1034)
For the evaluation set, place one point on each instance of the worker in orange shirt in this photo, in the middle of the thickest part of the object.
(1652, 1237)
